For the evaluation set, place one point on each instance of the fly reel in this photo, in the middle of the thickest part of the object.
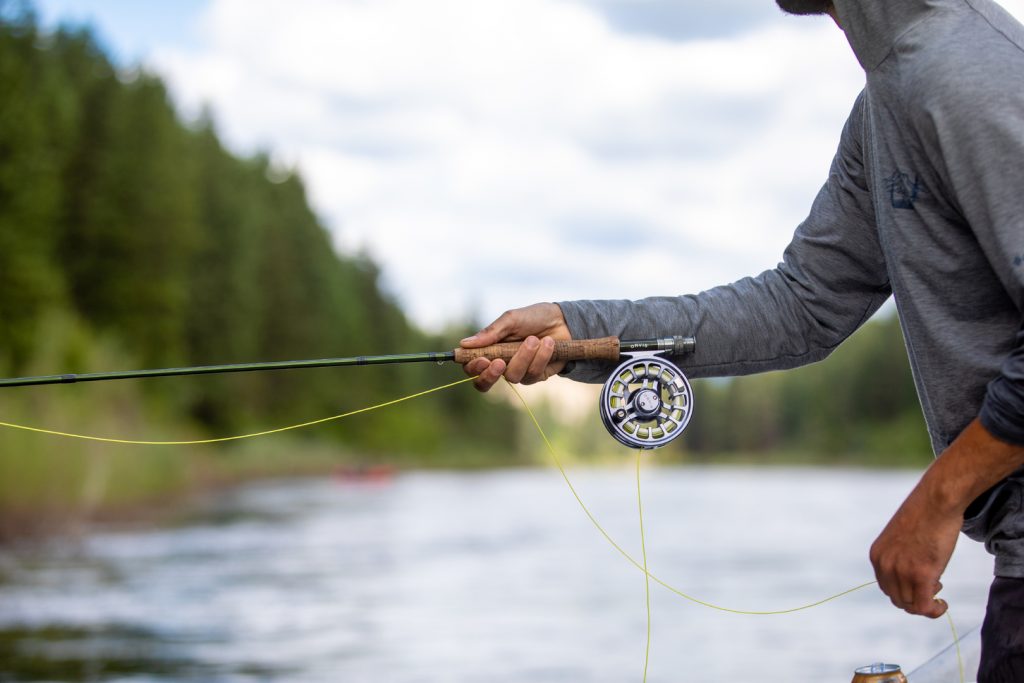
(646, 402)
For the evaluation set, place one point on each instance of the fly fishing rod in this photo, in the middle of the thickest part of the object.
(645, 403)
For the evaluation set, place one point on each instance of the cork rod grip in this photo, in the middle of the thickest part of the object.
(606, 348)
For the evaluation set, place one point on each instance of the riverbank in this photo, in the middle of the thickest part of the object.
(61, 490)
(51, 486)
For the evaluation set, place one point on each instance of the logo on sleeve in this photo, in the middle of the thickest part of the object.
(903, 191)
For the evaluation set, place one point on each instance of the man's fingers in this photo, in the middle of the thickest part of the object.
(925, 603)
(476, 366)
(933, 608)
(521, 361)
(498, 331)
(914, 594)
(487, 372)
(939, 607)
(538, 369)
(484, 337)
(529, 365)
(908, 588)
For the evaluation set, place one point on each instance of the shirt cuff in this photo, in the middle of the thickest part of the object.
(1002, 412)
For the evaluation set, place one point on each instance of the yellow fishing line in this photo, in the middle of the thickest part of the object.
(956, 642)
(253, 435)
(643, 553)
(638, 565)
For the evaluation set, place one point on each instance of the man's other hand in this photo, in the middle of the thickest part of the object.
(538, 327)
(912, 552)
(914, 549)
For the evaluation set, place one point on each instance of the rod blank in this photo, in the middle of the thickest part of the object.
(607, 348)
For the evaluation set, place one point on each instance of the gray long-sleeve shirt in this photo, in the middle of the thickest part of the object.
(925, 202)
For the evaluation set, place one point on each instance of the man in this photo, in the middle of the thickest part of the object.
(925, 202)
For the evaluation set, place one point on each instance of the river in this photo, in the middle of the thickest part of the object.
(493, 576)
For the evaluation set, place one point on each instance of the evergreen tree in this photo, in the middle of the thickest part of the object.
(133, 217)
(35, 123)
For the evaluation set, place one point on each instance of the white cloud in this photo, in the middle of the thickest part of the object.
(489, 153)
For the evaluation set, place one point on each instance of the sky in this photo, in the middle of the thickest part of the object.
(492, 153)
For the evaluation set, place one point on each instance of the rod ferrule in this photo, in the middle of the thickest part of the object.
(677, 345)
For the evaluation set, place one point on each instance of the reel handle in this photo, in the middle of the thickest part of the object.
(606, 348)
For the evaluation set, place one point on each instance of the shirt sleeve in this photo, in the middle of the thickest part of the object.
(831, 279)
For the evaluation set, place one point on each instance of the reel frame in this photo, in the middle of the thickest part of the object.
(647, 401)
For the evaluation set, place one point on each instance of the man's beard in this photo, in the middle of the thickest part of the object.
(804, 6)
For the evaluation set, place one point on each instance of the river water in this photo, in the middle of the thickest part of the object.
(490, 576)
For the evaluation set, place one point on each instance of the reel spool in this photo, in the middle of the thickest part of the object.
(647, 401)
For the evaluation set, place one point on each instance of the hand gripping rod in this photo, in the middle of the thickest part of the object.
(607, 348)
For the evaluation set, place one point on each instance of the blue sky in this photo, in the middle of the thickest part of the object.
(130, 28)
(492, 153)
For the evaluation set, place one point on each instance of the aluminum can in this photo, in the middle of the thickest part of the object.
(879, 673)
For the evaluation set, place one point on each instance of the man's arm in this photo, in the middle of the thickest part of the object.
(914, 548)
(831, 279)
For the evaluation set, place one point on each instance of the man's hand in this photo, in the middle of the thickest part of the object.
(538, 327)
(912, 552)
(914, 548)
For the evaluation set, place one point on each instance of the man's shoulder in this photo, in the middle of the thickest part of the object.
(961, 61)
(1000, 21)
(976, 41)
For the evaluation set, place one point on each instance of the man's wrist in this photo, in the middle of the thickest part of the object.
(971, 465)
(944, 495)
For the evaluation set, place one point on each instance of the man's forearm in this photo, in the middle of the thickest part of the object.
(971, 465)
(913, 550)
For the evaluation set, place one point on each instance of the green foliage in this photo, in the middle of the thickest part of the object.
(45, 477)
(132, 224)
(34, 131)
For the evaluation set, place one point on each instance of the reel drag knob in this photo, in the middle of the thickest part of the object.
(646, 402)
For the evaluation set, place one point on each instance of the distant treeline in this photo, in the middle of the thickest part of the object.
(151, 238)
